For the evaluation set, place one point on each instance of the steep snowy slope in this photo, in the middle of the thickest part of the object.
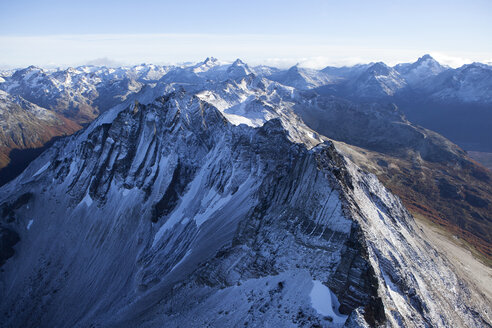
(434, 177)
(167, 214)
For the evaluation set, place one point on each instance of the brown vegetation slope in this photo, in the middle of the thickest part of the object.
(24, 125)
(456, 198)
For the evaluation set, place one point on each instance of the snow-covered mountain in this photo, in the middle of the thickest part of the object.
(346, 72)
(85, 91)
(420, 71)
(302, 78)
(238, 69)
(81, 93)
(147, 72)
(211, 69)
(169, 211)
(378, 127)
(470, 83)
(431, 80)
(378, 80)
(453, 102)
(364, 82)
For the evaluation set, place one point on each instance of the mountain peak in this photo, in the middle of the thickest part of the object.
(71, 70)
(28, 72)
(478, 64)
(379, 68)
(238, 69)
(416, 72)
(426, 57)
(238, 62)
(210, 61)
(31, 68)
(207, 64)
(295, 68)
(379, 64)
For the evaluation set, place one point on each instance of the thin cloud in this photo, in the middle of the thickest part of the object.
(104, 61)
(274, 50)
(452, 61)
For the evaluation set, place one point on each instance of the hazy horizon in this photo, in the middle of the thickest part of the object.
(314, 63)
(277, 33)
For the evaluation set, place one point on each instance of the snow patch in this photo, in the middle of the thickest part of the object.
(326, 303)
(218, 201)
(182, 260)
(126, 192)
(87, 200)
(29, 224)
(42, 169)
(396, 295)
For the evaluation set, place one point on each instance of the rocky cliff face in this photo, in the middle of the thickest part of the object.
(167, 214)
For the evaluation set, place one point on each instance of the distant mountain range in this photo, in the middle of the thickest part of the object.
(97, 87)
(454, 102)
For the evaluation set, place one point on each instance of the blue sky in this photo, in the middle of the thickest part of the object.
(313, 32)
